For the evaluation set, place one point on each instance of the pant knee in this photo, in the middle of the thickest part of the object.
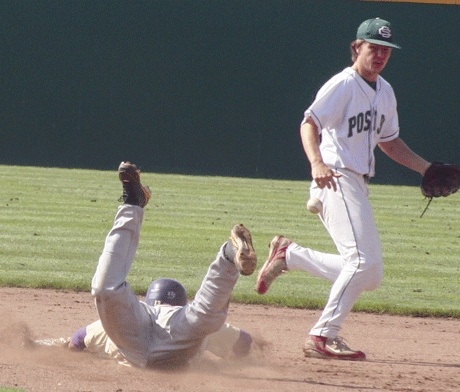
(374, 278)
(101, 293)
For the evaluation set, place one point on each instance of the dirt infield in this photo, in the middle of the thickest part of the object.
(404, 354)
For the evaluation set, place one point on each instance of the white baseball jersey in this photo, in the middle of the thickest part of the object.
(352, 119)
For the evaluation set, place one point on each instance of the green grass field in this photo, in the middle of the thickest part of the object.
(54, 222)
(11, 390)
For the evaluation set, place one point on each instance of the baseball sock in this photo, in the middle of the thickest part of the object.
(229, 251)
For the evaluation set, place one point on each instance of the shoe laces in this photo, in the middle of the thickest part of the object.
(340, 344)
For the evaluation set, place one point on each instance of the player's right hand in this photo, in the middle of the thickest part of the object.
(324, 176)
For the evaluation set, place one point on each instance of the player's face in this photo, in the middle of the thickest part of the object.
(371, 60)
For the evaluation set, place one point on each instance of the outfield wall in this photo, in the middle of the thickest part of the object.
(209, 87)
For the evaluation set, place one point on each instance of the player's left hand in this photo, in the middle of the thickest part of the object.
(440, 179)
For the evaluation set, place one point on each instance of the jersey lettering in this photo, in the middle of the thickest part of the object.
(364, 122)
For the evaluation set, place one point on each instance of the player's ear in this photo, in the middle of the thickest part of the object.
(354, 46)
(357, 46)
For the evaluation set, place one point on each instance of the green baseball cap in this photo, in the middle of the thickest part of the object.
(377, 31)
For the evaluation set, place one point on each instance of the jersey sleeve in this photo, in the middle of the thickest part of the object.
(97, 341)
(329, 105)
(96, 337)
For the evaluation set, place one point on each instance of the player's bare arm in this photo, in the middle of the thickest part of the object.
(399, 151)
(320, 172)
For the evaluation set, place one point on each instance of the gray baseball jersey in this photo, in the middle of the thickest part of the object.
(155, 335)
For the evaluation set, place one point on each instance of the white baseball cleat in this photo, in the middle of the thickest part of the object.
(245, 256)
(330, 348)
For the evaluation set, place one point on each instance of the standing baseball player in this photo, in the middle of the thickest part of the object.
(353, 112)
(165, 331)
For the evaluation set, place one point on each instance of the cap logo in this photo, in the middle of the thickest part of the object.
(385, 32)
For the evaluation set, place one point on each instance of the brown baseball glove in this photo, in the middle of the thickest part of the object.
(440, 179)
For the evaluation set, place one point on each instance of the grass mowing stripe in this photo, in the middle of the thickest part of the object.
(54, 222)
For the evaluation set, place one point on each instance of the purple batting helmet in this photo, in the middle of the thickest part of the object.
(166, 292)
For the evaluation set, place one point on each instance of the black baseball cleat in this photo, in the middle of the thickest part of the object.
(134, 192)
